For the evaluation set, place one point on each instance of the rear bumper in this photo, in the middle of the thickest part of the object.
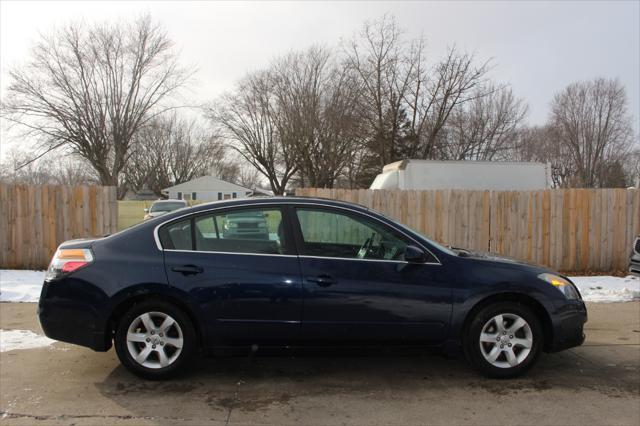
(69, 320)
(568, 326)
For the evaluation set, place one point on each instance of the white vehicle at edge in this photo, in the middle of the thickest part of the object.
(472, 175)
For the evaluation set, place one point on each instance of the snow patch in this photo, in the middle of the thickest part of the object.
(608, 289)
(11, 340)
(20, 286)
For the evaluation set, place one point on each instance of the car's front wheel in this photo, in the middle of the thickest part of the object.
(155, 340)
(503, 340)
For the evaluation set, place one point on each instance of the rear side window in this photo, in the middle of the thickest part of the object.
(177, 235)
(251, 231)
(257, 231)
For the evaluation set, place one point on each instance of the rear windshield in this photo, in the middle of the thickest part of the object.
(166, 207)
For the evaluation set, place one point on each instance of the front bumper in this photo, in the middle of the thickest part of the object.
(70, 320)
(568, 326)
(634, 265)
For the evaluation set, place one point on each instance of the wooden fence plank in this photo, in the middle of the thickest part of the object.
(34, 220)
(567, 229)
(571, 230)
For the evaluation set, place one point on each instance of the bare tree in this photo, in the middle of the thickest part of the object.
(590, 120)
(407, 103)
(247, 118)
(633, 166)
(228, 171)
(485, 128)
(436, 93)
(386, 71)
(537, 143)
(249, 178)
(90, 89)
(170, 150)
(359, 171)
(316, 104)
(61, 169)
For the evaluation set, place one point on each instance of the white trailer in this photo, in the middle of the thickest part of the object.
(473, 175)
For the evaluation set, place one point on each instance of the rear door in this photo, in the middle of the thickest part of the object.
(239, 267)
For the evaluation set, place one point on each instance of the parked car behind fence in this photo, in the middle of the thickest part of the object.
(160, 207)
(634, 261)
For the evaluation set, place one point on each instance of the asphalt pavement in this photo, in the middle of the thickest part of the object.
(597, 383)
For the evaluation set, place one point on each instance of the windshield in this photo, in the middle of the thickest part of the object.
(415, 231)
(166, 207)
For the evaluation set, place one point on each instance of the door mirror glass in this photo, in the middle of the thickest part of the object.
(414, 254)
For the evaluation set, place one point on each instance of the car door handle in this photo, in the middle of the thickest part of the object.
(322, 280)
(188, 269)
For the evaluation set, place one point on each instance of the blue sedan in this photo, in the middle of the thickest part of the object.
(299, 271)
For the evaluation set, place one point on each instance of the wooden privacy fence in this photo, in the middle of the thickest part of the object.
(575, 230)
(131, 212)
(34, 220)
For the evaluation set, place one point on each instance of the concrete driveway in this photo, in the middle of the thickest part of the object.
(598, 383)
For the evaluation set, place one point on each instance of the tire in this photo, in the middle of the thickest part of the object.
(505, 351)
(170, 332)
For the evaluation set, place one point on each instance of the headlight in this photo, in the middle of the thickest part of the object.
(562, 284)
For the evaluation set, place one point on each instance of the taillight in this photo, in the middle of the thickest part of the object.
(68, 260)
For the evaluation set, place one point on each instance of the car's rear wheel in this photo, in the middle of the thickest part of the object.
(155, 340)
(503, 340)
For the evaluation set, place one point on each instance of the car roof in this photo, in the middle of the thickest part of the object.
(170, 201)
(239, 202)
(275, 200)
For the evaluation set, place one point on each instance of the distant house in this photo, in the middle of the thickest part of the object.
(206, 188)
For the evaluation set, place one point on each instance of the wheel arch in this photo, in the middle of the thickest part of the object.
(538, 309)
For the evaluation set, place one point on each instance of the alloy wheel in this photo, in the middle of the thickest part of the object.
(154, 340)
(506, 340)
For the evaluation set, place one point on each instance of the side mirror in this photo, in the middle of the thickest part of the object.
(146, 210)
(414, 255)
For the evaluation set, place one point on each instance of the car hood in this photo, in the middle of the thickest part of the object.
(493, 257)
(156, 214)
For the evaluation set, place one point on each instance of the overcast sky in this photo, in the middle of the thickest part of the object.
(538, 47)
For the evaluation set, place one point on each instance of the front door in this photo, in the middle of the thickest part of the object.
(357, 285)
(239, 267)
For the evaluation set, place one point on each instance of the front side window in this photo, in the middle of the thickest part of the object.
(332, 234)
(257, 231)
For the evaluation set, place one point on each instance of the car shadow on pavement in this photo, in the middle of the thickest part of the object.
(215, 386)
